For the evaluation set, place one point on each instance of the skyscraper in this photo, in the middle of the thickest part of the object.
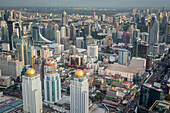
(63, 32)
(89, 29)
(154, 33)
(64, 19)
(31, 92)
(135, 47)
(57, 36)
(52, 86)
(92, 51)
(123, 57)
(73, 32)
(10, 30)
(22, 51)
(44, 51)
(136, 33)
(79, 93)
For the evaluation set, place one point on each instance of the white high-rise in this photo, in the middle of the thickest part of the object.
(52, 86)
(63, 32)
(92, 51)
(31, 92)
(57, 36)
(79, 93)
(154, 33)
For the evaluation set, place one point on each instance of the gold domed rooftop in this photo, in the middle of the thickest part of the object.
(31, 71)
(79, 73)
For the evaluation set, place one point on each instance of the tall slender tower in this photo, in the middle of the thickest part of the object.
(31, 92)
(64, 19)
(52, 86)
(79, 91)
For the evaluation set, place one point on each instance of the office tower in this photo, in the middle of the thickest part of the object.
(31, 92)
(143, 49)
(148, 63)
(52, 86)
(89, 41)
(63, 32)
(108, 31)
(167, 33)
(164, 20)
(44, 51)
(64, 19)
(80, 42)
(32, 53)
(67, 31)
(5, 35)
(123, 57)
(89, 29)
(73, 32)
(59, 48)
(10, 30)
(22, 51)
(154, 33)
(35, 32)
(15, 39)
(126, 38)
(114, 38)
(79, 93)
(135, 47)
(65, 42)
(57, 37)
(92, 51)
(149, 94)
(73, 50)
(4, 64)
(39, 67)
(136, 33)
(108, 40)
(103, 17)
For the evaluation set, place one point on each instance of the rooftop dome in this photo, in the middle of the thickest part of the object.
(79, 73)
(31, 71)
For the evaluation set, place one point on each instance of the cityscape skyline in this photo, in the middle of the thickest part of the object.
(87, 3)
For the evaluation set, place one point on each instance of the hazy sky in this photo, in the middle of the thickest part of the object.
(87, 3)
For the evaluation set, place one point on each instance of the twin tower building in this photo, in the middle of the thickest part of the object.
(32, 91)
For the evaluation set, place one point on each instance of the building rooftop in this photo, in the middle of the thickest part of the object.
(122, 68)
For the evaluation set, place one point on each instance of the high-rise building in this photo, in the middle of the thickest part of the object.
(10, 30)
(149, 94)
(44, 51)
(135, 46)
(63, 32)
(123, 57)
(103, 17)
(73, 32)
(131, 29)
(65, 42)
(79, 93)
(52, 86)
(167, 33)
(32, 53)
(57, 37)
(31, 92)
(136, 33)
(143, 49)
(89, 29)
(92, 51)
(64, 19)
(148, 63)
(59, 49)
(154, 33)
(67, 31)
(22, 51)
(80, 42)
